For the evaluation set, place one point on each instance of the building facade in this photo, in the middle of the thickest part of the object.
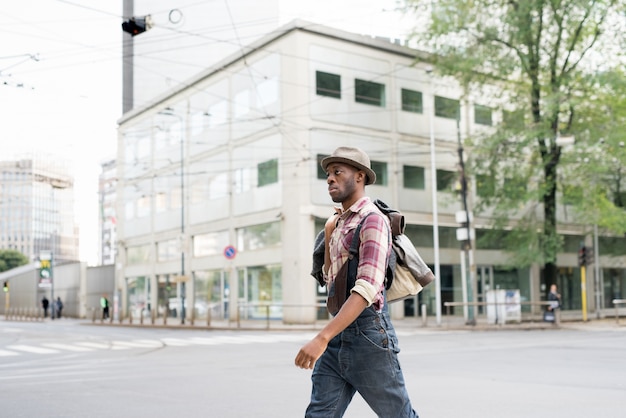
(37, 208)
(220, 193)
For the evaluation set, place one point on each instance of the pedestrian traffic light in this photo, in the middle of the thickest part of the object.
(44, 269)
(582, 256)
(6, 286)
(137, 25)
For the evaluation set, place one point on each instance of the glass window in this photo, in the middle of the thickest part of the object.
(413, 177)
(412, 101)
(168, 250)
(321, 174)
(210, 297)
(327, 84)
(380, 168)
(369, 93)
(267, 172)
(445, 179)
(138, 254)
(210, 244)
(482, 115)
(485, 186)
(255, 237)
(447, 108)
(513, 119)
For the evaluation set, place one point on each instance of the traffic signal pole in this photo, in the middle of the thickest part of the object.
(583, 291)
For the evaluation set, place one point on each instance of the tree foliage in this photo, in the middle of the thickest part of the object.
(555, 64)
(9, 259)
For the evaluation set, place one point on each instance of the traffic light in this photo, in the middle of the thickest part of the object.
(44, 269)
(137, 25)
(582, 256)
(6, 286)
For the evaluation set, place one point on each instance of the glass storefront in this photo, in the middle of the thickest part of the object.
(614, 285)
(260, 292)
(138, 291)
(211, 295)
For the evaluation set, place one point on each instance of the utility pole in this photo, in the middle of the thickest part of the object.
(464, 235)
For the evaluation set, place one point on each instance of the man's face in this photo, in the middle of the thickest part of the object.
(341, 179)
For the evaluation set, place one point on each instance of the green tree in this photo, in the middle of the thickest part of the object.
(545, 57)
(10, 259)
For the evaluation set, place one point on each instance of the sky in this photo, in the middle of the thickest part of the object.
(60, 92)
(61, 84)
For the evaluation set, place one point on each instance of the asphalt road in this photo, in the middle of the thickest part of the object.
(67, 369)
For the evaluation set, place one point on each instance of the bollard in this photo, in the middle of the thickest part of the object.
(424, 317)
(208, 317)
(152, 316)
(141, 316)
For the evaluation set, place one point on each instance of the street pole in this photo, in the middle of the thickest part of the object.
(467, 243)
(596, 270)
(433, 177)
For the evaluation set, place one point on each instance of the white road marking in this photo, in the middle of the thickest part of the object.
(32, 349)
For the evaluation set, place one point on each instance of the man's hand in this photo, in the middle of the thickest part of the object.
(313, 350)
(310, 352)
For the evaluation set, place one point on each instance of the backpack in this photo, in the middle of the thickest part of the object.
(406, 273)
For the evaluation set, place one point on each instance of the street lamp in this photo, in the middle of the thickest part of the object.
(170, 112)
(433, 176)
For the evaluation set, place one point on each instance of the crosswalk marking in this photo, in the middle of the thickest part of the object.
(89, 346)
(32, 349)
(67, 347)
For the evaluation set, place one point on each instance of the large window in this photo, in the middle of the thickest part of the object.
(267, 172)
(211, 243)
(380, 168)
(321, 174)
(412, 101)
(255, 237)
(413, 177)
(137, 255)
(482, 115)
(369, 93)
(327, 84)
(447, 108)
(168, 250)
(445, 179)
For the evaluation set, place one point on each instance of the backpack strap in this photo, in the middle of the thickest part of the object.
(353, 257)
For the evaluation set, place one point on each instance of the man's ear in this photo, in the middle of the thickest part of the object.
(361, 176)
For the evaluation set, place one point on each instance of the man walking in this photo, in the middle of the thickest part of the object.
(357, 350)
(44, 304)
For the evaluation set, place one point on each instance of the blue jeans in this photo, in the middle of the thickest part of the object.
(363, 358)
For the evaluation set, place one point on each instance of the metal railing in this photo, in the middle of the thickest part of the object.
(267, 307)
(497, 305)
(616, 303)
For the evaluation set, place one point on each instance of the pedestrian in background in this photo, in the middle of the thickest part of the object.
(104, 303)
(357, 350)
(44, 304)
(554, 297)
(59, 306)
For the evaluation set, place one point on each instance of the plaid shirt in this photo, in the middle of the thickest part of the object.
(374, 250)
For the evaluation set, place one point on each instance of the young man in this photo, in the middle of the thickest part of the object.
(357, 350)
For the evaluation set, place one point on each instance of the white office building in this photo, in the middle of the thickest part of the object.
(220, 193)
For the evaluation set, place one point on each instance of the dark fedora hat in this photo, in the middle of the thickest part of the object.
(352, 156)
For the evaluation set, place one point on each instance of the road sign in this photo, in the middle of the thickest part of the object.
(230, 252)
